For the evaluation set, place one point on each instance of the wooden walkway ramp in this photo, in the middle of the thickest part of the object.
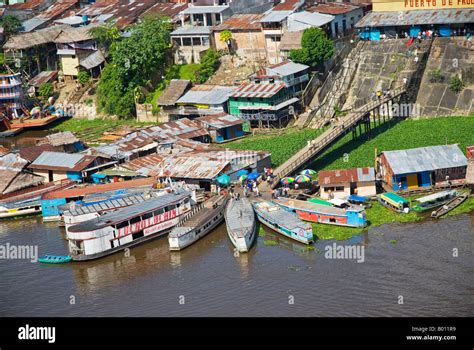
(316, 146)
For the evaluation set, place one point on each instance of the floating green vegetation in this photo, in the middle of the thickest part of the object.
(261, 232)
(282, 144)
(393, 241)
(270, 242)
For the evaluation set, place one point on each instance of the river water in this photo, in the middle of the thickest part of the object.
(207, 279)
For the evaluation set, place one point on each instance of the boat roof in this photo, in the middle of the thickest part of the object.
(435, 196)
(337, 201)
(280, 216)
(132, 211)
(113, 203)
(319, 201)
(392, 197)
(320, 208)
(356, 198)
(240, 216)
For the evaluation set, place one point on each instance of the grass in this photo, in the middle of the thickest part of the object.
(282, 145)
(348, 153)
(270, 242)
(91, 130)
(379, 215)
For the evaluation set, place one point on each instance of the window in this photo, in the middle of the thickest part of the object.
(147, 216)
(186, 41)
(205, 41)
(158, 212)
(339, 188)
(135, 220)
(196, 41)
(177, 41)
(121, 225)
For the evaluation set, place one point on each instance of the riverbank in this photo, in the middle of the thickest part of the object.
(349, 153)
(90, 131)
(378, 215)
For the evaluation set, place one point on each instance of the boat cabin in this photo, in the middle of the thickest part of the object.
(394, 202)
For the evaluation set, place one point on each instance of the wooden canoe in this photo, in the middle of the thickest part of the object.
(453, 203)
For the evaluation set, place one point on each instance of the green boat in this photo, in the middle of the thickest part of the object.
(433, 200)
(54, 259)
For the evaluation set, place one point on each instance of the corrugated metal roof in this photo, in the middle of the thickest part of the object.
(334, 8)
(207, 95)
(175, 89)
(71, 20)
(127, 145)
(304, 19)
(288, 5)
(195, 30)
(166, 9)
(240, 22)
(182, 128)
(65, 160)
(220, 121)
(43, 77)
(93, 60)
(204, 9)
(33, 23)
(263, 90)
(418, 17)
(62, 138)
(328, 177)
(275, 16)
(425, 159)
(286, 68)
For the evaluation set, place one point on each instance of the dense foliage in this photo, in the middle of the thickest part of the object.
(316, 47)
(83, 77)
(209, 64)
(455, 84)
(134, 60)
(46, 90)
(11, 25)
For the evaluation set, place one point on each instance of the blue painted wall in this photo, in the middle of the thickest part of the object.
(423, 180)
(73, 175)
(225, 134)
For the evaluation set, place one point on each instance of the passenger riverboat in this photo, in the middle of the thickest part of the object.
(434, 200)
(127, 227)
(394, 202)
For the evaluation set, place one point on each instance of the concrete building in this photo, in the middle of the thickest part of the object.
(247, 41)
(345, 182)
(422, 167)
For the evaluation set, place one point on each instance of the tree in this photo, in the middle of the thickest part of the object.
(134, 60)
(46, 90)
(106, 35)
(226, 37)
(83, 77)
(11, 25)
(209, 64)
(316, 47)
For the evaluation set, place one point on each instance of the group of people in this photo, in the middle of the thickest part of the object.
(379, 94)
(249, 187)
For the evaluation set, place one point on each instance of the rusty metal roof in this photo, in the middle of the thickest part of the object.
(418, 17)
(219, 121)
(175, 89)
(327, 177)
(62, 138)
(43, 77)
(334, 8)
(262, 90)
(33, 152)
(182, 128)
(168, 9)
(288, 5)
(242, 22)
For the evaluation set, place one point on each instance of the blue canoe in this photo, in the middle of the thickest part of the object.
(54, 259)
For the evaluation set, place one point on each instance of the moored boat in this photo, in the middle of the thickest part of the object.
(283, 221)
(353, 216)
(359, 200)
(54, 259)
(127, 227)
(203, 220)
(394, 202)
(453, 203)
(434, 200)
(241, 224)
